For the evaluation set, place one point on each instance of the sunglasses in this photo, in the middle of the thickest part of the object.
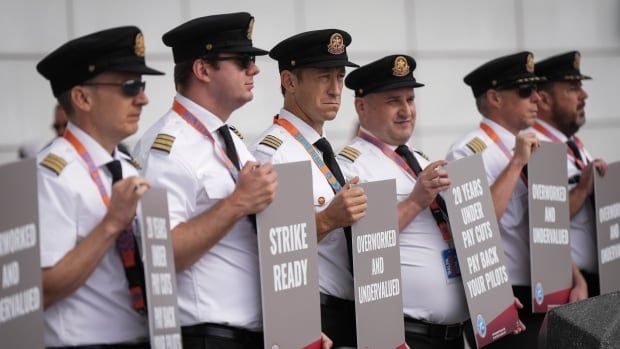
(243, 61)
(130, 88)
(525, 91)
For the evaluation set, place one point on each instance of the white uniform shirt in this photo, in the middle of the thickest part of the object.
(583, 225)
(334, 271)
(514, 224)
(70, 206)
(223, 285)
(427, 293)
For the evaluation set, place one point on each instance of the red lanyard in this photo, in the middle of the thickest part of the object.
(193, 121)
(90, 164)
(495, 138)
(391, 154)
(293, 131)
(388, 152)
(542, 129)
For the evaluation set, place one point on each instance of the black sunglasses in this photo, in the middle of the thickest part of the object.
(525, 91)
(130, 88)
(244, 61)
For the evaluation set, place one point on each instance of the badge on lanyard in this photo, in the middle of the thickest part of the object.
(451, 263)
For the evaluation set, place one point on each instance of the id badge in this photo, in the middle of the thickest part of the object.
(451, 264)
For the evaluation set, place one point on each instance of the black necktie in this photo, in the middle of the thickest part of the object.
(573, 147)
(330, 160)
(231, 151)
(127, 248)
(441, 215)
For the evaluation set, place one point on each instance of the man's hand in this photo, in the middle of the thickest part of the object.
(347, 207)
(256, 187)
(326, 343)
(123, 202)
(520, 325)
(429, 183)
(525, 143)
(586, 182)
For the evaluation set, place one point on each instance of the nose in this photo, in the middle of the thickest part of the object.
(253, 69)
(141, 99)
(535, 97)
(584, 94)
(335, 86)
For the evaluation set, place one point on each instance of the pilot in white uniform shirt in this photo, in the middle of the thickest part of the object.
(222, 286)
(428, 293)
(583, 224)
(334, 273)
(70, 206)
(514, 224)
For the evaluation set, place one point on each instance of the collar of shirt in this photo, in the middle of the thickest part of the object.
(554, 131)
(308, 132)
(504, 135)
(99, 155)
(211, 122)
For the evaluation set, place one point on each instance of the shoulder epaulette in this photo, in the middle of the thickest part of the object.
(422, 155)
(349, 153)
(135, 163)
(163, 142)
(234, 129)
(54, 163)
(476, 145)
(272, 142)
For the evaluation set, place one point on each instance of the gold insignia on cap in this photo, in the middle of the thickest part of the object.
(349, 153)
(138, 47)
(529, 65)
(163, 142)
(336, 44)
(477, 145)
(292, 63)
(272, 142)
(401, 67)
(250, 29)
(577, 60)
(494, 82)
(321, 200)
(91, 68)
(209, 47)
(54, 163)
(360, 91)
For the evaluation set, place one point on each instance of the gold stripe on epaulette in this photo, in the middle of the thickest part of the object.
(476, 145)
(234, 129)
(271, 142)
(350, 153)
(54, 163)
(163, 142)
(135, 163)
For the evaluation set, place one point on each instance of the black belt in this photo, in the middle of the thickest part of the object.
(447, 332)
(107, 346)
(236, 334)
(335, 302)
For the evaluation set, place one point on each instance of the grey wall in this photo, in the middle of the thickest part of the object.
(448, 38)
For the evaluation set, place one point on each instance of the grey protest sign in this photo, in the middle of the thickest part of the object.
(288, 256)
(160, 276)
(607, 194)
(376, 265)
(550, 259)
(21, 314)
(479, 249)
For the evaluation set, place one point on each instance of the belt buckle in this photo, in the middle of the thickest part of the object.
(453, 331)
